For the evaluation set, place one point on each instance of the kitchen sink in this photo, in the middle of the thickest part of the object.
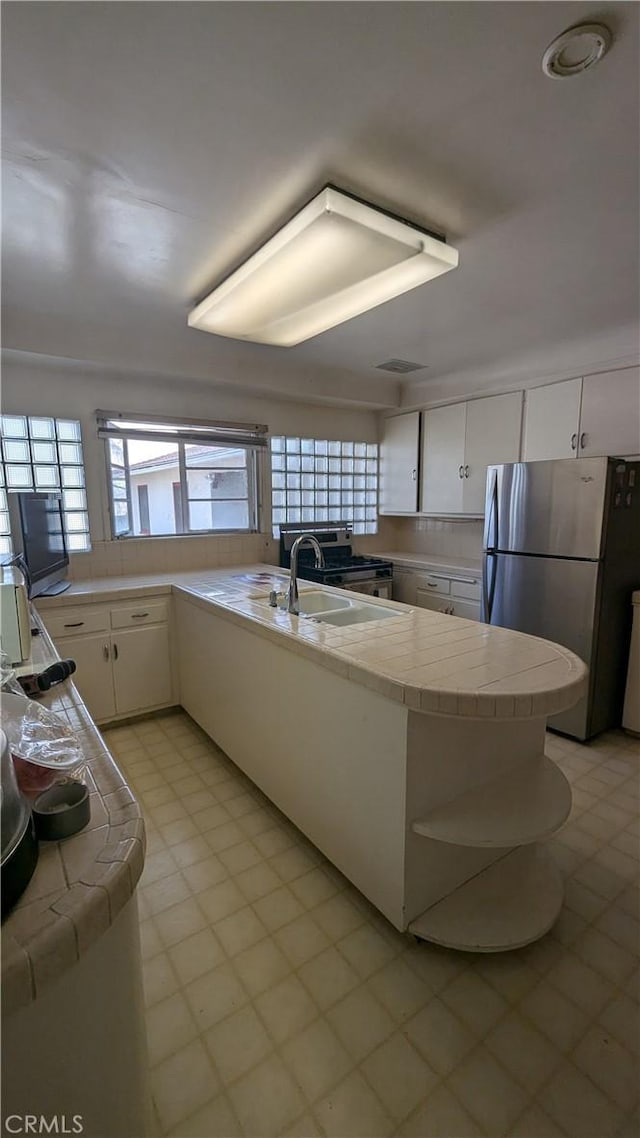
(357, 614)
(312, 601)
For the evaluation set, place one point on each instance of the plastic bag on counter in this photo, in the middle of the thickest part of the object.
(44, 748)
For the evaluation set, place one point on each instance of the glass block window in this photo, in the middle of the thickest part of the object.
(315, 480)
(45, 454)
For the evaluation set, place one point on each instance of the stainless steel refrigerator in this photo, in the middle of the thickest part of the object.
(561, 560)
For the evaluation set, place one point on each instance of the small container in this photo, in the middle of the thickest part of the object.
(62, 810)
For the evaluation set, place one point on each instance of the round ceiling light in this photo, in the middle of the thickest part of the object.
(576, 50)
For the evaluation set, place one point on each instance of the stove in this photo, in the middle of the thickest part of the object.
(343, 568)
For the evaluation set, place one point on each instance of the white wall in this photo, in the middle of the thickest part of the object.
(35, 386)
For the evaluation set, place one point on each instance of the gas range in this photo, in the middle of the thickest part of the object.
(343, 568)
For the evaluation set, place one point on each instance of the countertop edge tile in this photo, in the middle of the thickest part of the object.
(42, 937)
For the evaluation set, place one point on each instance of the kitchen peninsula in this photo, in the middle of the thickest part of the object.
(409, 750)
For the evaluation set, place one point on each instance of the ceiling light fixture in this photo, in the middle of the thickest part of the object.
(336, 258)
(576, 50)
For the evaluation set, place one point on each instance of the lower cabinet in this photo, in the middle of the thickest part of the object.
(120, 670)
(141, 668)
(455, 596)
(94, 672)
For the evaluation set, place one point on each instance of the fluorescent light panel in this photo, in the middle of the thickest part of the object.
(338, 257)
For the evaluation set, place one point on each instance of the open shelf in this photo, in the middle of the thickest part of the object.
(511, 903)
(524, 806)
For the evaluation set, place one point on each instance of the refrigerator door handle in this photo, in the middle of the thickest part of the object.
(491, 510)
(488, 587)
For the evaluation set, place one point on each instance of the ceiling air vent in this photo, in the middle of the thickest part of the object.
(400, 367)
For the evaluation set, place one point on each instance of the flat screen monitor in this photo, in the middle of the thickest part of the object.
(37, 529)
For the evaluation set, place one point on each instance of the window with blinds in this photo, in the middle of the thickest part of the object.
(181, 476)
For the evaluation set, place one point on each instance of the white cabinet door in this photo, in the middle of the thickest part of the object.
(492, 435)
(93, 676)
(404, 585)
(443, 459)
(610, 413)
(551, 421)
(141, 668)
(399, 464)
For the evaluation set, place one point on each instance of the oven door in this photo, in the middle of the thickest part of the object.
(374, 587)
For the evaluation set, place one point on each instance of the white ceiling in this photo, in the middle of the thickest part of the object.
(148, 147)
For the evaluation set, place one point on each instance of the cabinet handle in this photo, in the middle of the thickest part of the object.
(75, 624)
(138, 615)
(574, 441)
(466, 471)
(115, 651)
(105, 651)
(414, 474)
(431, 585)
(461, 472)
(583, 440)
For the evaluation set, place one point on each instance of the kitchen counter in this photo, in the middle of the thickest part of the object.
(447, 565)
(80, 885)
(410, 749)
(425, 660)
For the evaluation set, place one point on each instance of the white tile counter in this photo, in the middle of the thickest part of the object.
(426, 660)
(464, 565)
(432, 724)
(80, 885)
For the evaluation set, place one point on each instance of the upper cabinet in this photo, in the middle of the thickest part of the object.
(610, 413)
(399, 451)
(458, 443)
(551, 421)
(447, 459)
(597, 415)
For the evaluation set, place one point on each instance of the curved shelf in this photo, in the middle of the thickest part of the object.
(511, 903)
(528, 804)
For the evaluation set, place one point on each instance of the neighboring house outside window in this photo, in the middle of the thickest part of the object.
(164, 480)
(43, 454)
(317, 480)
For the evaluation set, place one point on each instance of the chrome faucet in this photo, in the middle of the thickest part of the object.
(292, 594)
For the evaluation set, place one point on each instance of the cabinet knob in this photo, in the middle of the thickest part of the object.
(574, 441)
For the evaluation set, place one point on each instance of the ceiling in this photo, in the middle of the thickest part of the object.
(149, 147)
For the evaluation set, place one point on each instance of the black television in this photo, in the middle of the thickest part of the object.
(37, 530)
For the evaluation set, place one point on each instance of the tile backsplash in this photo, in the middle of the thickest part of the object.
(165, 554)
(444, 538)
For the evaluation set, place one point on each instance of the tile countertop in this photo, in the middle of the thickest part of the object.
(468, 566)
(79, 885)
(430, 662)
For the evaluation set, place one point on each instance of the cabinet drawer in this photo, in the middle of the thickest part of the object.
(144, 612)
(75, 622)
(470, 589)
(433, 583)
